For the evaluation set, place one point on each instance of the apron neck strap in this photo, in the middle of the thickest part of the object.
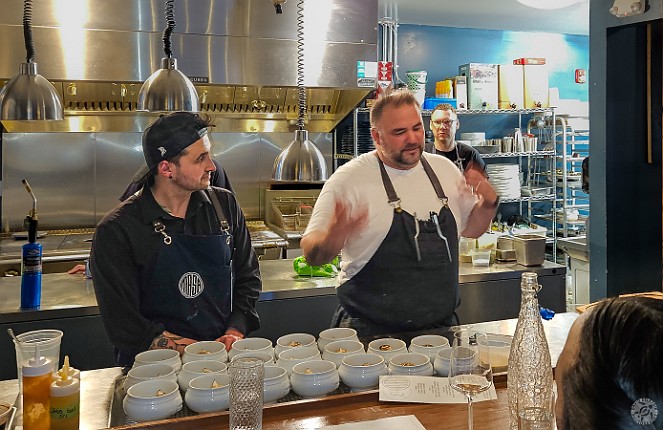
(391, 191)
(217, 208)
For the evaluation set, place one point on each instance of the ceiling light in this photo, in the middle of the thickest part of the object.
(301, 160)
(549, 4)
(168, 89)
(28, 95)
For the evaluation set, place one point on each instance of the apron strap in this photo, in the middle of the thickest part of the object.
(217, 208)
(434, 180)
(389, 187)
(391, 191)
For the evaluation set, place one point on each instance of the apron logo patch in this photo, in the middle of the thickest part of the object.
(191, 285)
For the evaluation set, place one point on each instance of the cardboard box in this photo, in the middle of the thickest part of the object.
(481, 85)
(535, 80)
(460, 89)
(522, 61)
(510, 93)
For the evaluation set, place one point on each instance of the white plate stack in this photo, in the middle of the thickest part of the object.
(504, 179)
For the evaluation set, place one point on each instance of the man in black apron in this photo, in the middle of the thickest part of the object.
(173, 264)
(410, 282)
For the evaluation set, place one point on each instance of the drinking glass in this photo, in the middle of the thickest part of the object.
(247, 376)
(469, 368)
(536, 407)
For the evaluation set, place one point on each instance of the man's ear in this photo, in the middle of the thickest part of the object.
(457, 124)
(375, 134)
(164, 169)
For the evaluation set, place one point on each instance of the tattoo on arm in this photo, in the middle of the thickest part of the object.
(167, 340)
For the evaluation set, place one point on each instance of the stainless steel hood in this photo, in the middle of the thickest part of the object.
(240, 55)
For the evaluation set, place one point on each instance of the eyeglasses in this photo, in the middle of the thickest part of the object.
(446, 123)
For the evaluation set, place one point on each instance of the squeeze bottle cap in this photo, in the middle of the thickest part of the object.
(37, 365)
(65, 387)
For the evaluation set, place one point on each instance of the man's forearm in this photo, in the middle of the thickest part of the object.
(168, 340)
(319, 249)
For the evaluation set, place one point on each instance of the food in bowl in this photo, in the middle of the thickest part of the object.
(384, 347)
(294, 344)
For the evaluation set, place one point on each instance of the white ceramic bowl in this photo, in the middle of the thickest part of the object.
(167, 356)
(442, 360)
(335, 351)
(288, 358)
(205, 350)
(149, 372)
(335, 333)
(277, 384)
(428, 344)
(314, 378)
(193, 369)
(266, 357)
(251, 344)
(294, 340)
(500, 347)
(410, 364)
(142, 403)
(362, 371)
(387, 347)
(208, 393)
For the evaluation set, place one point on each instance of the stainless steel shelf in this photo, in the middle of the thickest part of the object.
(541, 198)
(517, 154)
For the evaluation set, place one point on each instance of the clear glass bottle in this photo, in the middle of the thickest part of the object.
(529, 359)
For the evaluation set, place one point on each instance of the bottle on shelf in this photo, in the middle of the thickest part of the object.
(529, 359)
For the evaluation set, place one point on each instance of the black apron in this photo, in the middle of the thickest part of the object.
(192, 283)
(408, 284)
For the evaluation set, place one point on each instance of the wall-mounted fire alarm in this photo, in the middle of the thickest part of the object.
(622, 8)
(581, 76)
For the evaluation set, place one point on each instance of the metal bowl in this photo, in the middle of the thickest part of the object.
(487, 149)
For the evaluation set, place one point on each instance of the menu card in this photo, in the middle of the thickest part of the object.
(407, 422)
(425, 389)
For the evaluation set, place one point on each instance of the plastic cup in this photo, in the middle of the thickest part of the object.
(49, 347)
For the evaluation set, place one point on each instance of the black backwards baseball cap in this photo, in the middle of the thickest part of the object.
(169, 135)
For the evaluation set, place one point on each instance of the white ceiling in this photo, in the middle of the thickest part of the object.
(488, 14)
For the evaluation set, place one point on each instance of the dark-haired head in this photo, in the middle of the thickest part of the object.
(614, 378)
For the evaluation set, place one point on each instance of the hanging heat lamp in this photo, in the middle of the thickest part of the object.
(168, 89)
(301, 160)
(28, 95)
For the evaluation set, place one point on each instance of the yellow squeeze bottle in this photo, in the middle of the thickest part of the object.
(65, 399)
(37, 375)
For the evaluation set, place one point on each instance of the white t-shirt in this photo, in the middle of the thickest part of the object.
(359, 185)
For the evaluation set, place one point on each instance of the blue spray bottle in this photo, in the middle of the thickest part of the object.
(31, 265)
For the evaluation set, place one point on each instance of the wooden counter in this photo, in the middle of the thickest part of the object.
(96, 393)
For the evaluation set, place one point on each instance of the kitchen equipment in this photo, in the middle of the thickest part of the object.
(31, 266)
(530, 249)
(518, 145)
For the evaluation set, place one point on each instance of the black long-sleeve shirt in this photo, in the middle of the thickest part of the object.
(125, 247)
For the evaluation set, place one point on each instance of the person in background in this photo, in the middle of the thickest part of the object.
(173, 264)
(395, 215)
(444, 124)
(608, 374)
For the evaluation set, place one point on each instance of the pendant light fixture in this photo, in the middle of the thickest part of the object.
(28, 95)
(168, 89)
(549, 4)
(301, 160)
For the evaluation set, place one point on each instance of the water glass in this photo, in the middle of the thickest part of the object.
(247, 375)
(536, 407)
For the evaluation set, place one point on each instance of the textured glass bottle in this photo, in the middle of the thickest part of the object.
(529, 359)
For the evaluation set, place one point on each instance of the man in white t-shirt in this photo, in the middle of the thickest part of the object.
(395, 215)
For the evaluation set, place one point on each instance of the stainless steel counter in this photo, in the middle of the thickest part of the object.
(65, 295)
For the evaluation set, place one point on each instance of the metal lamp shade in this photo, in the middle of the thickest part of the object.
(30, 96)
(168, 89)
(300, 161)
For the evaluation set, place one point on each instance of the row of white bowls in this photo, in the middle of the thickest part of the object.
(298, 365)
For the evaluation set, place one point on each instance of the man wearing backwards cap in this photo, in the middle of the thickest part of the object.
(173, 264)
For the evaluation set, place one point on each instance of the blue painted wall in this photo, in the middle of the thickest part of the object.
(440, 50)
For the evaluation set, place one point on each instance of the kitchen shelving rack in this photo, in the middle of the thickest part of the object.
(356, 140)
